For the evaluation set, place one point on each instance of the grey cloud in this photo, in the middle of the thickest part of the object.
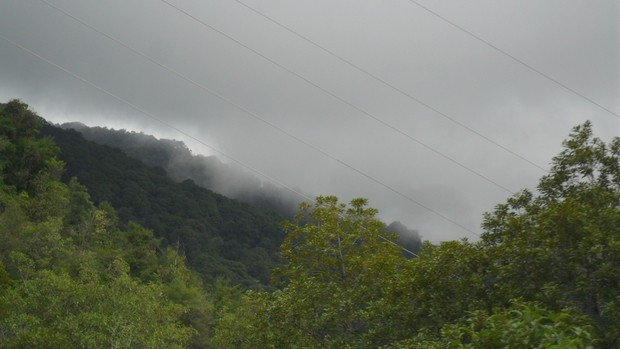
(573, 41)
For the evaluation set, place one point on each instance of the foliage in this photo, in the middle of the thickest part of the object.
(442, 285)
(335, 262)
(562, 246)
(236, 315)
(71, 277)
(55, 310)
(522, 326)
(557, 251)
(22, 155)
(73, 273)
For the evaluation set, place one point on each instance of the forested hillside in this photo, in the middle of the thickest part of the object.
(220, 237)
(545, 272)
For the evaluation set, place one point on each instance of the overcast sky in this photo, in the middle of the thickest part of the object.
(360, 121)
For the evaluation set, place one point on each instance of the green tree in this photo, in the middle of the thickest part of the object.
(69, 276)
(441, 285)
(521, 325)
(183, 286)
(557, 251)
(336, 260)
(23, 156)
(561, 247)
(53, 310)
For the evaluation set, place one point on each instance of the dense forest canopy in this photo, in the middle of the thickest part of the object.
(75, 273)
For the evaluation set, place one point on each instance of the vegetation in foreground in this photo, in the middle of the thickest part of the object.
(545, 273)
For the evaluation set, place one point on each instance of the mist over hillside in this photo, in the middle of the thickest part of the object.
(207, 171)
(211, 173)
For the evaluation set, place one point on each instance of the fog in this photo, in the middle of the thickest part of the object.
(247, 93)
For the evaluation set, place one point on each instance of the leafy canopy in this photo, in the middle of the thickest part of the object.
(545, 273)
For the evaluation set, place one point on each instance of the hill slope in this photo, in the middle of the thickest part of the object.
(218, 235)
(207, 171)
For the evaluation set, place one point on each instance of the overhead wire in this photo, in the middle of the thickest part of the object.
(240, 107)
(218, 151)
(260, 118)
(149, 114)
(512, 57)
(342, 100)
(273, 180)
(371, 75)
(391, 86)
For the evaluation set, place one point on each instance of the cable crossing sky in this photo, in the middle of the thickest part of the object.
(241, 163)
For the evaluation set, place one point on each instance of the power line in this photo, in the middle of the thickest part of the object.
(391, 86)
(150, 115)
(239, 162)
(377, 181)
(335, 96)
(512, 57)
(255, 115)
(397, 245)
(240, 107)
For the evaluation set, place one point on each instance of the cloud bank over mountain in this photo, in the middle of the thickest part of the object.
(283, 126)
